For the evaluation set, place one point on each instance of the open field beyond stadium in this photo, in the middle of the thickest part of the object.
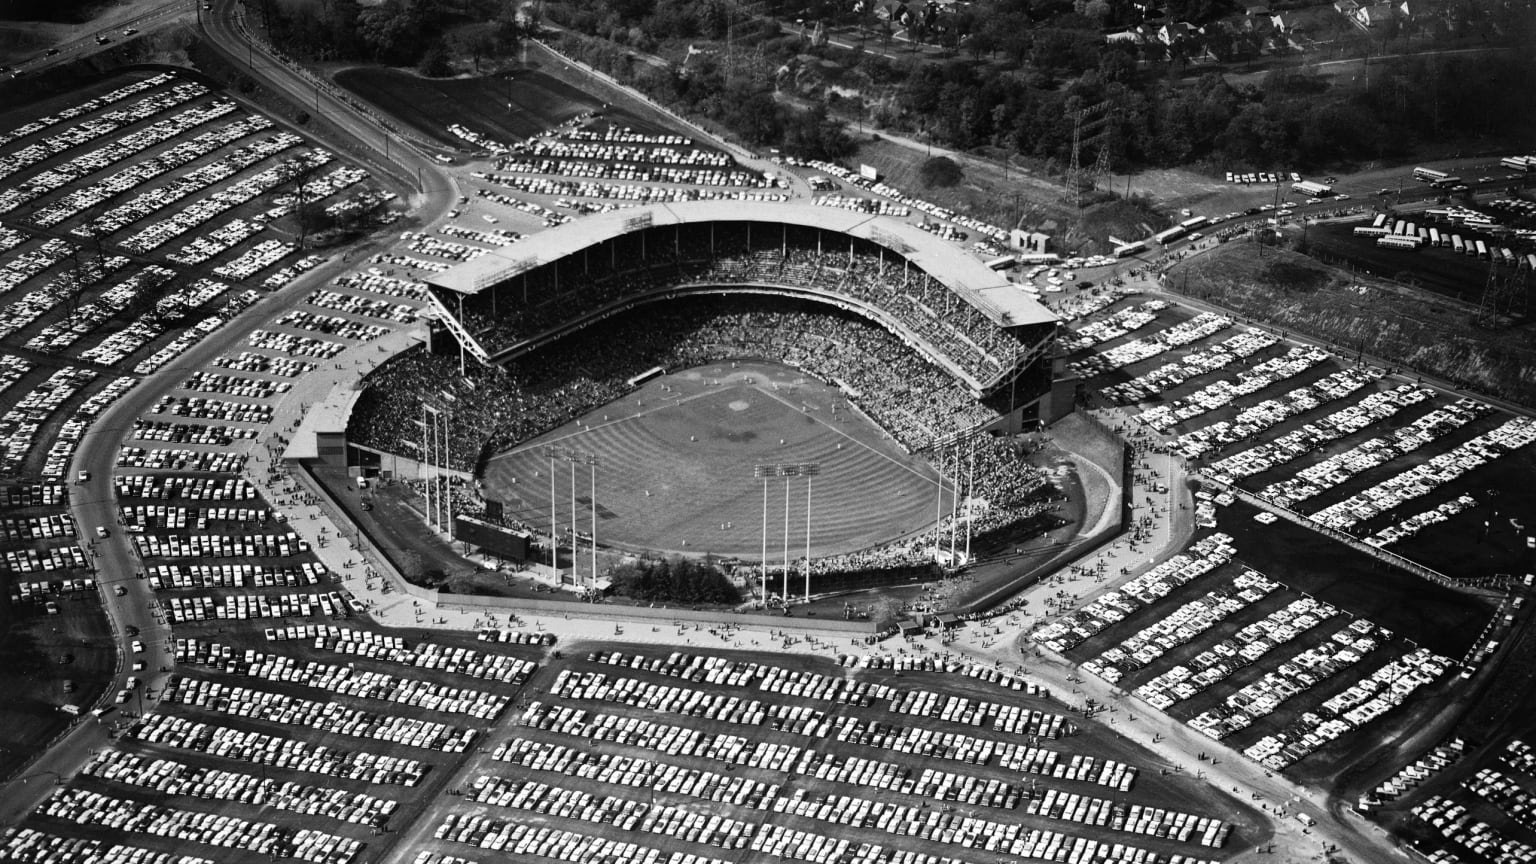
(680, 466)
(508, 108)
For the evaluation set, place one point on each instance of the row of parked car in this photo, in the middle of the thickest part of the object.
(168, 777)
(1121, 323)
(626, 814)
(1343, 649)
(346, 680)
(166, 432)
(89, 197)
(151, 201)
(41, 847)
(1334, 470)
(292, 343)
(1203, 361)
(1376, 407)
(1144, 348)
(183, 577)
(1222, 392)
(80, 109)
(120, 149)
(180, 459)
(1442, 468)
(86, 808)
(266, 364)
(354, 304)
(1385, 689)
(278, 751)
(1245, 647)
(246, 607)
(167, 487)
(21, 424)
(50, 526)
(1256, 419)
(217, 698)
(101, 125)
(1181, 626)
(204, 408)
(1115, 605)
(204, 209)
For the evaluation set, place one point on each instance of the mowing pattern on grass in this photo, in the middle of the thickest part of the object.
(676, 468)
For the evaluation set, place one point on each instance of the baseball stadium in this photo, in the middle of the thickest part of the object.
(806, 384)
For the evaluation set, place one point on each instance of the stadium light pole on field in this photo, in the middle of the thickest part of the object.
(447, 418)
(426, 459)
(592, 462)
(763, 472)
(810, 470)
(970, 512)
(554, 543)
(571, 458)
(787, 472)
(938, 509)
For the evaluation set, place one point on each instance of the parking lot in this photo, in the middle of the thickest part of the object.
(1320, 445)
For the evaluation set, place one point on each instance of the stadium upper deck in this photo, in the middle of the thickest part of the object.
(940, 300)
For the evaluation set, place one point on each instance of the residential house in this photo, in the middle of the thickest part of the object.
(1375, 15)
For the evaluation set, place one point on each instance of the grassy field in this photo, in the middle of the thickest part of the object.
(676, 468)
(39, 653)
(1413, 328)
(1443, 620)
(506, 108)
(1441, 270)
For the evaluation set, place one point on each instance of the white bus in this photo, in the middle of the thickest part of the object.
(1398, 242)
(1130, 248)
(1482, 249)
(1429, 175)
(1193, 222)
(1163, 238)
(1456, 244)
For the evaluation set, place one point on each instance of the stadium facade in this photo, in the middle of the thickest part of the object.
(944, 303)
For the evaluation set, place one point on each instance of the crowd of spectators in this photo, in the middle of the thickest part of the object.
(913, 400)
(533, 303)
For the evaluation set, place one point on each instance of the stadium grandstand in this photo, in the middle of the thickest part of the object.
(944, 303)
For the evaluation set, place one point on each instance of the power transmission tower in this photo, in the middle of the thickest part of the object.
(1507, 287)
(1093, 121)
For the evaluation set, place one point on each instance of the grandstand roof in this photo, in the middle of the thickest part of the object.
(985, 289)
(326, 417)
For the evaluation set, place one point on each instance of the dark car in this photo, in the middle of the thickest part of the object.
(50, 52)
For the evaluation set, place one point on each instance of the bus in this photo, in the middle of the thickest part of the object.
(1396, 242)
(1163, 238)
(1130, 248)
(1429, 175)
(1445, 183)
(1380, 221)
(1193, 223)
(1482, 249)
(1435, 238)
(1002, 263)
(1399, 227)
(1519, 163)
(1370, 231)
(1311, 189)
(1457, 245)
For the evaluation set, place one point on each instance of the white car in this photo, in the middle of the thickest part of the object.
(102, 532)
(138, 647)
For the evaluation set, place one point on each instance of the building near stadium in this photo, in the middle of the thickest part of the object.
(942, 302)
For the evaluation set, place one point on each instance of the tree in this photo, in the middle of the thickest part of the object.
(434, 63)
(885, 612)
